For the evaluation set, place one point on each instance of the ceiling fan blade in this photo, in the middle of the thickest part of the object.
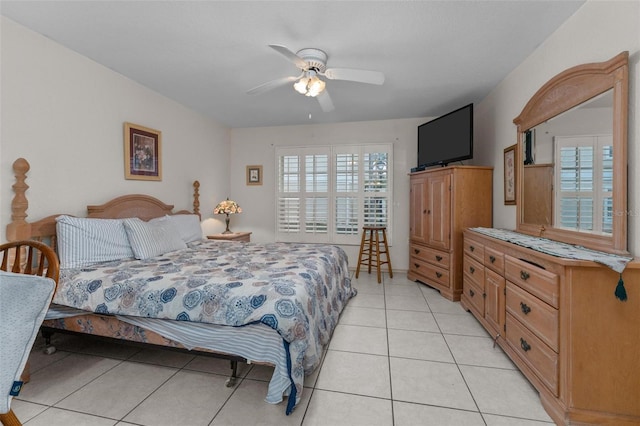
(300, 63)
(361, 76)
(265, 87)
(325, 101)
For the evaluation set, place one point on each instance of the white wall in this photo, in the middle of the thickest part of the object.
(257, 146)
(598, 31)
(64, 113)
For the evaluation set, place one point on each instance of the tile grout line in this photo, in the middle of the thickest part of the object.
(384, 296)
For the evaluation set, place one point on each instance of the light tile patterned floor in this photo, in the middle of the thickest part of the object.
(401, 355)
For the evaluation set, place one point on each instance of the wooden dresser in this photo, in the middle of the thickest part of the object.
(560, 323)
(444, 201)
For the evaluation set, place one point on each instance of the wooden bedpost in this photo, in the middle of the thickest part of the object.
(18, 228)
(196, 198)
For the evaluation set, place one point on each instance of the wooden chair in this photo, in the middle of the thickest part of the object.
(370, 247)
(33, 270)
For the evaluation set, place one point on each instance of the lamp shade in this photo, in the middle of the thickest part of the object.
(227, 207)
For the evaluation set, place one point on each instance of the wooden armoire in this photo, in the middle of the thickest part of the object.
(445, 201)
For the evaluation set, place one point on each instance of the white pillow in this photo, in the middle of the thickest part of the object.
(153, 238)
(188, 226)
(84, 241)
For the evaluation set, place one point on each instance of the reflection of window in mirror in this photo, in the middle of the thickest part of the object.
(584, 183)
(570, 186)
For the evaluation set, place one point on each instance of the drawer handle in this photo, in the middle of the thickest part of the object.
(472, 269)
(524, 308)
(524, 345)
(492, 259)
(472, 293)
(439, 274)
(438, 258)
(524, 275)
(472, 248)
(416, 251)
(416, 265)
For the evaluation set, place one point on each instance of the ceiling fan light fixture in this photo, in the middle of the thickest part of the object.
(301, 85)
(309, 85)
(315, 86)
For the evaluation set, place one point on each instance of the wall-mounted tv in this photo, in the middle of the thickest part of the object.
(446, 139)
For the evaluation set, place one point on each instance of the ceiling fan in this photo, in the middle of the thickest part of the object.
(313, 63)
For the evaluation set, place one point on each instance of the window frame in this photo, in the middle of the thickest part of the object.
(333, 151)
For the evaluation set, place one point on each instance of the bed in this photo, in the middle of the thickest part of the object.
(274, 304)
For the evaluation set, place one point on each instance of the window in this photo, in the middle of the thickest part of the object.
(584, 183)
(326, 194)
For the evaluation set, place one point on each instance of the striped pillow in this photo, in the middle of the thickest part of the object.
(84, 241)
(153, 238)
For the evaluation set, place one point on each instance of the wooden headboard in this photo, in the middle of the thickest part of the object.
(134, 205)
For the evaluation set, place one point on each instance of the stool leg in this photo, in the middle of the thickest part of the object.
(370, 250)
(386, 250)
(360, 255)
(378, 256)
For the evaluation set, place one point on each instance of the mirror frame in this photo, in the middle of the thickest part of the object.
(563, 92)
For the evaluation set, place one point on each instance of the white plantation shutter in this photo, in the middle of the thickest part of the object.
(333, 191)
(584, 182)
(289, 196)
(606, 151)
(346, 193)
(316, 188)
(376, 185)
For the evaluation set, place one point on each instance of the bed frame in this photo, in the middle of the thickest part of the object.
(102, 326)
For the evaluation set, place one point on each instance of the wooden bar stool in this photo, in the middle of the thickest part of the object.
(370, 247)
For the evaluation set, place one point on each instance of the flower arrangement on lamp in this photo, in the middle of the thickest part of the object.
(227, 207)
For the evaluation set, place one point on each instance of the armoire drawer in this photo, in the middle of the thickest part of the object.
(435, 257)
(537, 281)
(430, 272)
(540, 318)
(534, 352)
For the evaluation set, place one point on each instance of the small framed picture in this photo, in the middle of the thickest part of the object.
(254, 175)
(510, 175)
(142, 152)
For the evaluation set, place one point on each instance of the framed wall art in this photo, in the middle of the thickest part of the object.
(254, 175)
(142, 152)
(510, 175)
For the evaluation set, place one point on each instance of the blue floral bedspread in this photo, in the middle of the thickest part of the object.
(297, 289)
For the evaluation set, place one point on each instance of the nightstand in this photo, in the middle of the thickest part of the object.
(236, 236)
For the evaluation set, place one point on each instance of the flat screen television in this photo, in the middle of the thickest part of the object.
(446, 139)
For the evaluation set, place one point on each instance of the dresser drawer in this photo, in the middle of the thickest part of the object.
(435, 257)
(429, 272)
(540, 318)
(494, 259)
(474, 270)
(537, 281)
(474, 249)
(533, 352)
(473, 294)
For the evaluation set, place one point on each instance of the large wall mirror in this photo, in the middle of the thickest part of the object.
(572, 151)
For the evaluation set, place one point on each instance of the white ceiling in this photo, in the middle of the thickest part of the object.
(436, 55)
